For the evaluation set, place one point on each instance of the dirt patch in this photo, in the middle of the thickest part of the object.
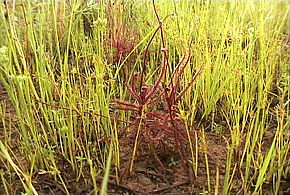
(8, 115)
(149, 176)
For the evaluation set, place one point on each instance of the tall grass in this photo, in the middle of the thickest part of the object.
(61, 71)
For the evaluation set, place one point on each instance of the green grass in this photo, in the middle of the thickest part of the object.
(61, 73)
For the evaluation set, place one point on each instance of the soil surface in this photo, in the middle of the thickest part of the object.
(152, 174)
(9, 111)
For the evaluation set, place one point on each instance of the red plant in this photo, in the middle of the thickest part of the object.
(159, 126)
(120, 43)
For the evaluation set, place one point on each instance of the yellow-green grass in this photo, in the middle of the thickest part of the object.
(61, 74)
